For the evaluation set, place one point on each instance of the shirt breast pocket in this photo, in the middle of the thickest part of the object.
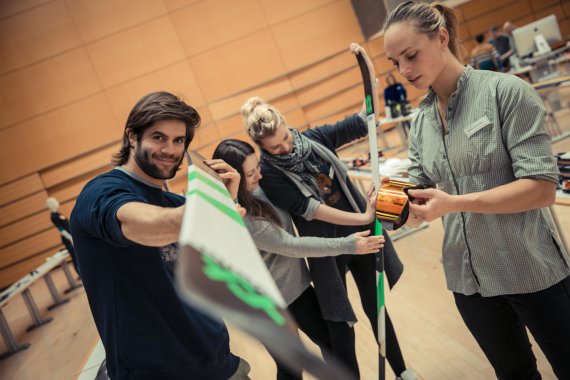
(480, 142)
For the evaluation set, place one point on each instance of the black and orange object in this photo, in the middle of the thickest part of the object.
(392, 203)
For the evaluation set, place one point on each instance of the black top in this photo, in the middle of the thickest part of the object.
(281, 191)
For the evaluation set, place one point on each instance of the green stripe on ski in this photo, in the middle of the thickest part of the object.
(208, 181)
(229, 211)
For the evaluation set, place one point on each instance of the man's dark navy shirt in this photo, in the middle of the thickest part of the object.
(147, 331)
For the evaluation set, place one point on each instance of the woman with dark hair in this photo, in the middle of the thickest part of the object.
(479, 142)
(283, 253)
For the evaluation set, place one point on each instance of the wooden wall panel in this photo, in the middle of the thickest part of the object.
(208, 150)
(287, 103)
(23, 208)
(46, 240)
(173, 5)
(96, 19)
(374, 47)
(66, 207)
(232, 105)
(334, 117)
(538, 5)
(20, 188)
(383, 65)
(13, 273)
(36, 34)
(277, 11)
(25, 228)
(322, 70)
(566, 7)
(302, 41)
(336, 83)
(553, 10)
(565, 27)
(512, 11)
(213, 23)
(206, 134)
(75, 168)
(136, 51)
(57, 136)
(348, 99)
(297, 119)
(206, 123)
(177, 78)
(9, 8)
(217, 78)
(44, 86)
(475, 8)
(229, 126)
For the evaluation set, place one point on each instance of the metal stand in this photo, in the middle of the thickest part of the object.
(34, 312)
(57, 300)
(72, 283)
(9, 340)
(405, 231)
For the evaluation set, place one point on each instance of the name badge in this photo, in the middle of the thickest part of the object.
(477, 126)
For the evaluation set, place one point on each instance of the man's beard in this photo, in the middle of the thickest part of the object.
(143, 159)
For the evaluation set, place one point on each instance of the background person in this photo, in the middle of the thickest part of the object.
(62, 224)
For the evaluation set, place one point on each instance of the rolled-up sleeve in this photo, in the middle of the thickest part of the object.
(529, 144)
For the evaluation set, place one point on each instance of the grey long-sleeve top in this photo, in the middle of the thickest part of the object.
(284, 253)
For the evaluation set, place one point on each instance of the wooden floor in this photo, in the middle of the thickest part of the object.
(433, 338)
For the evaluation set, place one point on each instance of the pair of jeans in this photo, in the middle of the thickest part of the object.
(499, 326)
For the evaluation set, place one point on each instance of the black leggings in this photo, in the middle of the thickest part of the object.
(363, 269)
(307, 313)
(499, 326)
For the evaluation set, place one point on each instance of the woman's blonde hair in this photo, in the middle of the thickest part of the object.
(427, 19)
(260, 119)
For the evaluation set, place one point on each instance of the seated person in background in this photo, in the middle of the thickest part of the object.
(484, 56)
(504, 46)
(394, 95)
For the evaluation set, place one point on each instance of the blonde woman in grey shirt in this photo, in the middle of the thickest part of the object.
(283, 252)
(479, 140)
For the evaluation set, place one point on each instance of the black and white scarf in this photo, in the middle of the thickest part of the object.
(300, 160)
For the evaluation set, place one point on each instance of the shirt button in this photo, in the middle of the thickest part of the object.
(444, 156)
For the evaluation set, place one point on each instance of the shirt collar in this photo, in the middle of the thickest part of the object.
(430, 99)
(137, 177)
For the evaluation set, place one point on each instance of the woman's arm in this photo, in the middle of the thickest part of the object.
(334, 216)
(271, 238)
(518, 196)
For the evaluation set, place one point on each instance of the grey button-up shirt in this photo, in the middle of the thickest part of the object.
(494, 135)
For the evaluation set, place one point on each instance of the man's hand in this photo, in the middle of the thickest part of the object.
(228, 174)
(430, 204)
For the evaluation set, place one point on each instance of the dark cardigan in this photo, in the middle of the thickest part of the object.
(325, 273)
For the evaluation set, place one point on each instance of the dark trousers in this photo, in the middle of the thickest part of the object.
(499, 326)
(307, 313)
(363, 269)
